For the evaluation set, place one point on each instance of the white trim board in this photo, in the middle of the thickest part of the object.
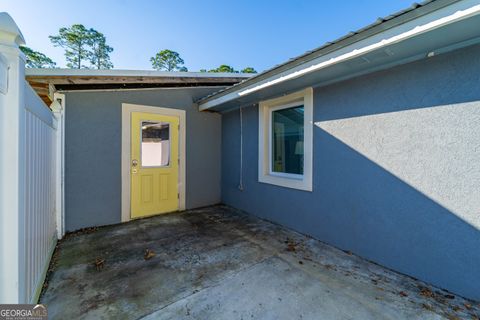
(140, 89)
(127, 109)
(58, 107)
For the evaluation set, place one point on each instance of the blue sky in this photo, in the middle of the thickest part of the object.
(206, 33)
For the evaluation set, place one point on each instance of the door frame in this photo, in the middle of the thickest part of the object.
(127, 109)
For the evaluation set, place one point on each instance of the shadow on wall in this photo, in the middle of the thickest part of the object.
(419, 122)
(396, 170)
(366, 209)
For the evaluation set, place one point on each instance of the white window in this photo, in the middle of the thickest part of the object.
(285, 140)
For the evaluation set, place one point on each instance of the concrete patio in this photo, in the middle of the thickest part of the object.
(218, 263)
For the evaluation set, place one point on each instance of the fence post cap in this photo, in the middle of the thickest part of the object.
(9, 31)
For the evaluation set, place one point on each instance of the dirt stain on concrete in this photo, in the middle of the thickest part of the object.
(195, 253)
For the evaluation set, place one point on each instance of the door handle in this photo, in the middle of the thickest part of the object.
(134, 162)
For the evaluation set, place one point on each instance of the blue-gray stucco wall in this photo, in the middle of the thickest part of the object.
(93, 151)
(396, 170)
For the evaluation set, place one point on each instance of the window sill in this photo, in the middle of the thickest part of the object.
(287, 182)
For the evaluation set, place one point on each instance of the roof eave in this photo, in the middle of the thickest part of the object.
(431, 11)
(63, 72)
(46, 81)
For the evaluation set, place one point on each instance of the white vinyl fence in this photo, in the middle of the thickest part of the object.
(38, 230)
(29, 176)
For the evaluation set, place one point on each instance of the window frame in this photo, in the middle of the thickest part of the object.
(266, 109)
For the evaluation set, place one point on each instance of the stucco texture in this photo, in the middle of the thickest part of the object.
(396, 170)
(93, 151)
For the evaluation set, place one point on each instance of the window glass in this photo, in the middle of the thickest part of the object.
(287, 140)
(155, 151)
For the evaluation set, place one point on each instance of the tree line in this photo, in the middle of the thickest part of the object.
(87, 48)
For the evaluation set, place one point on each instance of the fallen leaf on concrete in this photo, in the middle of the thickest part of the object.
(403, 294)
(427, 307)
(468, 306)
(330, 267)
(424, 291)
(149, 254)
(99, 263)
(457, 308)
(291, 245)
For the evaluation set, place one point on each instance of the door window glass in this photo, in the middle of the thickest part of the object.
(155, 149)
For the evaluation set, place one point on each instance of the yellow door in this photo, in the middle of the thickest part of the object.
(154, 164)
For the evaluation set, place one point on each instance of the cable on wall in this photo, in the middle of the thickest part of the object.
(240, 184)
